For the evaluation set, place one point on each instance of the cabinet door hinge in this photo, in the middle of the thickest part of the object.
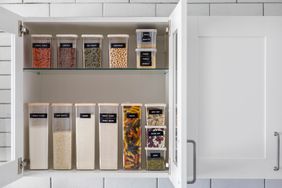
(21, 164)
(22, 29)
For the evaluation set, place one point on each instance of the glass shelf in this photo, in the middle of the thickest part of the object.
(96, 70)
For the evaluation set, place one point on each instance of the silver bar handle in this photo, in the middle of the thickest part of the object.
(277, 167)
(194, 162)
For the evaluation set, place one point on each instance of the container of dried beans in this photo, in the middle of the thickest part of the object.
(41, 51)
(155, 159)
(155, 114)
(66, 51)
(62, 135)
(92, 51)
(118, 51)
(155, 136)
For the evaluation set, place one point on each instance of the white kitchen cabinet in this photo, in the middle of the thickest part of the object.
(235, 95)
(31, 182)
(165, 84)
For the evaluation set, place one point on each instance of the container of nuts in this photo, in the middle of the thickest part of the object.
(118, 50)
(92, 50)
(155, 114)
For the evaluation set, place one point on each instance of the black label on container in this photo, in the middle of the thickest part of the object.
(146, 58)
(118, 45)
(146, 37)
(108, 118)
(38, 115)
(155, 155)
(133, 148)
(85, 115)
(40, 45)
(91, 45)
(65, 45)
(155, 111)
(61, 115)
(155, 133)
(132, 115)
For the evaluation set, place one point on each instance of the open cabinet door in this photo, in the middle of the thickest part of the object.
(178, 95)
(11, 110)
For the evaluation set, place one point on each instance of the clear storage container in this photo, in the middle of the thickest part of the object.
(131, 116)
(146, 38)
(155, 136)
(155, 114)
(118, 51)
(108, 136)
(146, 58)
(41, 51)
(38, 135)
(85, 135)
(62, 135)
(92, 51)
(66, 51)
(155, 159)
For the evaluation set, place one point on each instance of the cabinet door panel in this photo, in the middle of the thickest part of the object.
(30, 182)
(237, 183)
(77, 181)
(273, 183)
(235, 91)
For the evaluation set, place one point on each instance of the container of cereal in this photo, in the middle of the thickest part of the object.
(108, 135)
(92, 51)
(66, 51)
(146, 58)
(131, 116)
(118, 51)
(146, 38)
(38, 135)
(62, 135)
(155, 159)
(155, 114)
(155, 136)
(85, 135)
(41, 51)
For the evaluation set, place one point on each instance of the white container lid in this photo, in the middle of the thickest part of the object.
(155, 127)
(108, 104)
(66, 35)
(146, 50)
(85, 104)
(41, 35)
(131, 104)
(118, 36)
(61, 104)
(92, 36)
(155, 149)
(38, 104)
(155, 105)
(146, 30)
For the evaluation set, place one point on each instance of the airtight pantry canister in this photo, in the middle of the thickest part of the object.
(62, 135)
(85, 135)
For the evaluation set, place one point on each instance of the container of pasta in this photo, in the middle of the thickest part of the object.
(131, 121)
(108, 135)
(66, 50)
(92, 51)
(41, 51)
(38, 135)
(146, 58)
(146, 38)
(155, 114)
(62, 135)
(155, 136)
(118, 51)
(155, 159)
(85, 135)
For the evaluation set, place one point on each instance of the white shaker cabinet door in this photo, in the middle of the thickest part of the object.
(11, 109)
(235, 89)
(77, 181)
(178, 96)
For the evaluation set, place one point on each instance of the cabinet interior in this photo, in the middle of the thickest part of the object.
(103, 86)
